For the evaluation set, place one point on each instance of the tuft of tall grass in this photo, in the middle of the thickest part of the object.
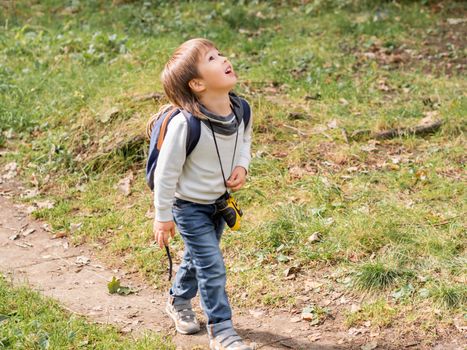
(376, 276)
(280, 232)
(450, 297)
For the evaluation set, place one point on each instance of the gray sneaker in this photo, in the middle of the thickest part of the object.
(228, 340)
(183, 316)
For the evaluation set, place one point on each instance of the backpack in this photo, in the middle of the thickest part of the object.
(159, 131)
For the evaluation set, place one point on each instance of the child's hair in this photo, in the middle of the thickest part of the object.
(178, 72)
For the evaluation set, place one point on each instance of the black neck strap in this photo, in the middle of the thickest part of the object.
(217, 148)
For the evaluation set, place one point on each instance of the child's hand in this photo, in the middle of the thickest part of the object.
(237, 179)
(162, 230)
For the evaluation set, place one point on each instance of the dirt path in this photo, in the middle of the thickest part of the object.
(74, 277)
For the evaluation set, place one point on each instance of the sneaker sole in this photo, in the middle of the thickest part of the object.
(176, 326)
(213, 346)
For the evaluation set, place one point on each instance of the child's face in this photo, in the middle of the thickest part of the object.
(216, 72)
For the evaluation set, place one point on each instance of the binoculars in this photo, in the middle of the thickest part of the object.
(228, 207)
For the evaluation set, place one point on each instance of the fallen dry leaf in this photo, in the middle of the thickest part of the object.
(319, 129)
(383, 86)
(75, 227)
(356, 331)
(343, 101)
(343, 300)
(28, 232)
(149, 214)
(308, 316)
(430, 117)
(34, 180)
(280, 154)
(11, 170)
(312, 285)
(315, 237)
(124, 185)
(354, 308)
(109, 114)
(60, 234)
(297, 172)
(291, 271)
(30, 193)
(421, 175)
(82, 260)
(47, 204)
(314, 337)
(455, 21)
(332, 124)
(371, 146)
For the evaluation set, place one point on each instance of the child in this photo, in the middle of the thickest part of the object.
(199, 79)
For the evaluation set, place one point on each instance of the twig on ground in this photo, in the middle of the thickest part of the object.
(150, 96)
(298, 131)
(419, 130)
(344, 135)
(273, 342)
(412, 344)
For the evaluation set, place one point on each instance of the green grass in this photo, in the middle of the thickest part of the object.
(379, 313)
(450, 296)
(377, 276)
(29, 321)
(318, 67)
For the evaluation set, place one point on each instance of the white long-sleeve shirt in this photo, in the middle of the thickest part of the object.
(198, 177)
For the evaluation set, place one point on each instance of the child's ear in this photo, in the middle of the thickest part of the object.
(197, 85)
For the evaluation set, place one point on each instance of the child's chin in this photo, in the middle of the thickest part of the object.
(230, 86)
(234, 80)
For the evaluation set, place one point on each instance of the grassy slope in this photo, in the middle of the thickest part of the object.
(389, 212)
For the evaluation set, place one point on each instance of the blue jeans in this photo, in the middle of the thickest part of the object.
(203, 266)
